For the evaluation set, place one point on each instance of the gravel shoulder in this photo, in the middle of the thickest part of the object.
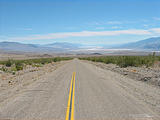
(11, 84)
(141, 82)
(99, 94)
(150, 75)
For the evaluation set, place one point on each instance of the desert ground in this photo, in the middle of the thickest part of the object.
(102, 91)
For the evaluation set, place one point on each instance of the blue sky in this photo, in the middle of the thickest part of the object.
(79, 21)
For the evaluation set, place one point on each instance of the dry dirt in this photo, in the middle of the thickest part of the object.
(99, 94)
(150, 75)
(141, 82)
(10, 84)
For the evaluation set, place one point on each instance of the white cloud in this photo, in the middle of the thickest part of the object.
(145, 25)
(100, 28)
(83, 34)
(155, 30)
(156, 18)
(95, 23)
(115, 27)
(114, 22)
(105, 23)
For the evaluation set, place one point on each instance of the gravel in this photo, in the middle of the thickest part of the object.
(10, 84)
(149, 75)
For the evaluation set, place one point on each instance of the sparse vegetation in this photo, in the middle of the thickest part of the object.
(125, 61)
(19, 66)
(3, 69)
(8, 63)
(16, 65)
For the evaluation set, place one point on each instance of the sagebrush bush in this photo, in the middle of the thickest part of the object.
(8, 63)
(3, 69)
(125, 61)
(19, 64)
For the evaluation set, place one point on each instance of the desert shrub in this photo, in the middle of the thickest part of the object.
(3, 69)
(108, 61)
(125, 61)
(56, 59)
(13, 68)
(19, 66)
(43, 61)
(8, 63)
(13, 72)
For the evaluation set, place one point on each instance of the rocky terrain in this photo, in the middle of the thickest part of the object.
(42, 93)
(12, 83)
(150, 75)
(141, 82)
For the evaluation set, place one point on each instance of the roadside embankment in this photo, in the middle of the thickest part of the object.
(16, 75)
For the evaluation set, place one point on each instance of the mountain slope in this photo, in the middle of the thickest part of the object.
(16, 46)
(55, 47)
(19, 47)
(150, 44)
(147, 44)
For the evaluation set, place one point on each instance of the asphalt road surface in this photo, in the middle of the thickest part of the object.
(84, 90)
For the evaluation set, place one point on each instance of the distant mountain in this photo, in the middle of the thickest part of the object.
(55, 47)
(147, 44)
(17, 46)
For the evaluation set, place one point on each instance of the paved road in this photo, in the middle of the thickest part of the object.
(98, 95)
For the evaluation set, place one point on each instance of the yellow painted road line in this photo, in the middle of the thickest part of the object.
(72, 111)
(70, 106)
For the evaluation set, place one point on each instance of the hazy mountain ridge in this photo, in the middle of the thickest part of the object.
(20, 47)
(147, 44)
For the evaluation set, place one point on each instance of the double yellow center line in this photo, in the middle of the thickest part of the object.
(70, 106)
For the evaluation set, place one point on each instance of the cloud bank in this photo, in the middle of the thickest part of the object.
(152, 31)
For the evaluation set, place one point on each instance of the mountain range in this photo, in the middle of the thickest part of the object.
(54, 47)
(147, 44)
